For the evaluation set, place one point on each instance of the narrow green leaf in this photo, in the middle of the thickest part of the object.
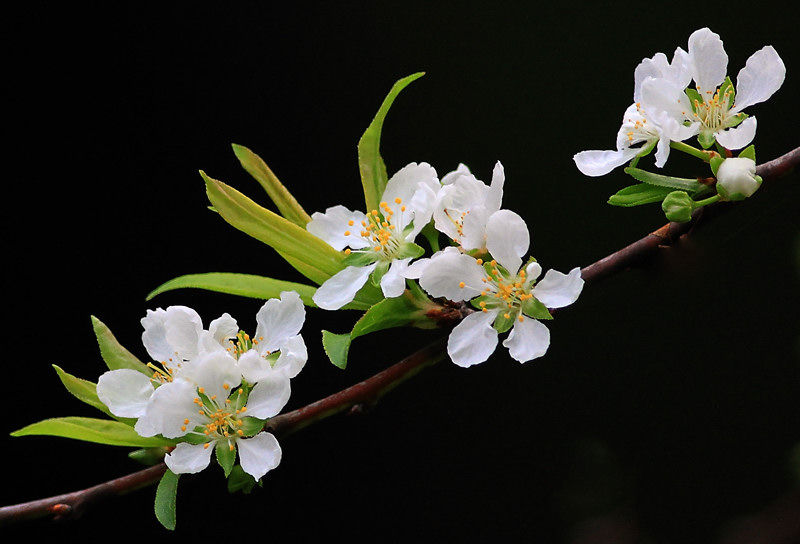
(311, 256)
(245, 285)
(336, 347)
(399, 311)
(166, 500)
(660, 180)
(113, 353)
(636, 195)
(83, 390)
(280, 195)
(370, 162)
(100, 431)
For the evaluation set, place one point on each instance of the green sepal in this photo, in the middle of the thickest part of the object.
(283, 199)
(714, 162)
(165, 506)
(226, 456)
(536, 309)
(99, 431)
(636, 195)
(410, 249)
(748, 152)
(113, 353)
(380, 271)
(660, 180)
(727, 87)
(694, 98)
(360, 258)
(251, 426)
(148, 456)
(706, 138)
(502, 323)
(370, 163)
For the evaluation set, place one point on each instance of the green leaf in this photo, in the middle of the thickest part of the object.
(114, 355)
(748, 152)
(659, 180)
(166, 498)
(311, 256)
(100, 431)
(83, 390)
(405, 310)
(245, 285)
(636, 195)
(283, 199)
(149, 456)
(336, 347)
(370, 162)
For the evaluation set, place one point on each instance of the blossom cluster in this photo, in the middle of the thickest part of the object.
(693, 96)
(212, 388)
(482, 263)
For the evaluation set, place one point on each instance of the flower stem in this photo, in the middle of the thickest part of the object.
(707, 201)
(693, 151)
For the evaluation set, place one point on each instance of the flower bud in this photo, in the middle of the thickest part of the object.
(737, 179)
(678, 206)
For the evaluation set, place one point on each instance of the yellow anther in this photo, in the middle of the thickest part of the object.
(347, 233)
(350, 222)
(520, 318)
(398, 200)
(479, 261)
(347, 251)
(205, 446)
(507, 316)
(461, 284)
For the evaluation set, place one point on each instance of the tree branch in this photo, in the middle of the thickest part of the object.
(369, 391)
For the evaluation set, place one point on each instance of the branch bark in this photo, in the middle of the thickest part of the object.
(369, 391)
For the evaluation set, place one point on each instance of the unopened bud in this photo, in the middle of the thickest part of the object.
(737, 179)
(678, 206)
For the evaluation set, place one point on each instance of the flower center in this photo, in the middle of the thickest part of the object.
(381, 231)
(503, 291)
(712, 112)
(223, 420)
(636, 129)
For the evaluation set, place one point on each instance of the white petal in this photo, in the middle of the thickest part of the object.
(507, 239)
(528, 340)
(393, 283)
(403, 185)
(709, 62)
(446, 270)
(473, 229)
(339, 227)
(417, 268)
(738, 136)
(494, 198)
(762, 75)
(169, 408)
(557, 290)
(293, 356)
(270, 394)
(473, 340)
(259, 454)
(126, 392)
(661, 96)
(189, 458)
(450, 177)
(172, 335)
(341, 288)
(278, 320)
(215, 372)
(599, 163)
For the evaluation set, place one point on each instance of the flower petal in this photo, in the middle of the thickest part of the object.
(473, 340)
(270, 394)
(189, 458)
(507, 239)
(446, 270)
(278, 320)
(596, 163)
(738, 136)
(259, 454)
(169, 408)
(557, 290)
(339, 227)
(762, 75)
(126, 392)
(215, 372)
(709, 62)
(173, 335)
(393, 283)
(528, 340)
(293, 356)
(341, 288)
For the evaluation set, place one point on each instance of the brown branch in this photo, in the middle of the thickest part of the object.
(369, 391)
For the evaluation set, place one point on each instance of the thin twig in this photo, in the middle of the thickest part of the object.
(369, 391)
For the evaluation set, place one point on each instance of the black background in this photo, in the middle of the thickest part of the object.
(666, 410)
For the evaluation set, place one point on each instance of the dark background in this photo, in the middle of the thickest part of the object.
(666, 410)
